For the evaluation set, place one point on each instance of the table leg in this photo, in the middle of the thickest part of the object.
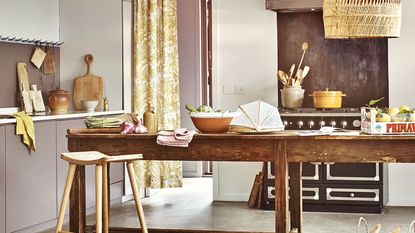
(296, 202)
(281, 187)
(77, 212)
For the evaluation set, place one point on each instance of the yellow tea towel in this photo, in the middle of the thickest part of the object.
(25, 127)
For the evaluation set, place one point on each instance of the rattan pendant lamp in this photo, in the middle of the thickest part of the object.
(351, 19)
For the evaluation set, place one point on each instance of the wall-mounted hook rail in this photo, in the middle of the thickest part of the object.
(21, 40)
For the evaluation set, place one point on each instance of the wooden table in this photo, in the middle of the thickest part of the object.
(286, 150)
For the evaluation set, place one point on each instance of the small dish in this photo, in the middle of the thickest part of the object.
(89, 105)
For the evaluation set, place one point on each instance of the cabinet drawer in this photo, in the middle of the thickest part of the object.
(311, 194)
(364, 172)
(353, 194)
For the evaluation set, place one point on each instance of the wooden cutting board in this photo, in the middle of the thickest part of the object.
(37, 99)
(22, 77)
(88, 87)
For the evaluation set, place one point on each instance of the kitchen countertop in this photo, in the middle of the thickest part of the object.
(69, 115)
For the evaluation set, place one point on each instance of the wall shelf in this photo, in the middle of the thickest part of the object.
(15, 40)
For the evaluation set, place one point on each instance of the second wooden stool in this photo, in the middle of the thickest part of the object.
(128, 159)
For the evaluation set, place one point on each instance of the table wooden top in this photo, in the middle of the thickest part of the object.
(287, 134)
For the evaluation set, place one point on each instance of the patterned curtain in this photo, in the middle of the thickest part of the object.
(156, 81)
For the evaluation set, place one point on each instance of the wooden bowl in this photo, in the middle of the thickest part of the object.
(212, 122)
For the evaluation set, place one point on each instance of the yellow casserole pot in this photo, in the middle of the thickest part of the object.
(327, 99)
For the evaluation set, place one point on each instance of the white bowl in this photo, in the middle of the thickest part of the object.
(89, 105)
(214, 114)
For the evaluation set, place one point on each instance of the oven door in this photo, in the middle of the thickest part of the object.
(363, 172)
(311, 172)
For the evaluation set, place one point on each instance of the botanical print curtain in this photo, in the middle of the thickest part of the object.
(156, 81)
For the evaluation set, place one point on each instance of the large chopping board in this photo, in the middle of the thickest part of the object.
(88, 87)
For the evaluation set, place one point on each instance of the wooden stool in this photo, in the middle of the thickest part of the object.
(83, 158)
(129, 159)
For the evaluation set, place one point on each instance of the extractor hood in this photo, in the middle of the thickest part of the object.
(293, 5)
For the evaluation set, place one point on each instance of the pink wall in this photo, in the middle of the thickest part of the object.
(189, 56)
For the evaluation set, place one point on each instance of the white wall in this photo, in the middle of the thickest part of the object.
(401, 92)
(95, 27)
(245, 56)
(30, 19)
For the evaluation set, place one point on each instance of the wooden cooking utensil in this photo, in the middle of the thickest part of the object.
(292, 70)
(88, 87)
(303, 74)
(304, 48)
(298, 78)
(305, 71)
(282, 77)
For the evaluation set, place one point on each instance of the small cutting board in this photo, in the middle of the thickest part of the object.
(27, 102)
(37, 99)
(88, 87)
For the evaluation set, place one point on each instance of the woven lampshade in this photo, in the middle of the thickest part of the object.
(348, 19)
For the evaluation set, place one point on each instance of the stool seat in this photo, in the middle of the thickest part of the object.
(84, 157)
(101, 162)
(123, 158)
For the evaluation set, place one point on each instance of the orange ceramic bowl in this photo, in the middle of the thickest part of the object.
(212, 122)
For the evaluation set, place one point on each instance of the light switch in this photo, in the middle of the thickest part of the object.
(228, 89)
(239, 90)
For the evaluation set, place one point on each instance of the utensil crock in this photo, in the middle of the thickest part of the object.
(292, 96)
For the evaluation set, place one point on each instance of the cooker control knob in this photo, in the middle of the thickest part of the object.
(285, 123)
(356, 123)
(343, 124)
(321, 123)
(300, 124)
(311, 124)
(332, 123)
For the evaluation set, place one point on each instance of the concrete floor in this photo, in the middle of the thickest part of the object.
(191, 207)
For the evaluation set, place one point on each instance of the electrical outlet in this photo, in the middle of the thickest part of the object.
(239, 90)
(228, 89)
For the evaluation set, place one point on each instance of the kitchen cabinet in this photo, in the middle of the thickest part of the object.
(62, 166)
(116, 169)
(2, 179)
(30, 178)
(30, 19)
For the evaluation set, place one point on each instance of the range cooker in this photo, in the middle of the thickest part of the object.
(331, 187)
(314, 119)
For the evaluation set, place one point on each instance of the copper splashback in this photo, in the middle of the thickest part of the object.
(10, 54)
(359, 68)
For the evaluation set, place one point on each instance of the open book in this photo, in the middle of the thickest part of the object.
(331, 131)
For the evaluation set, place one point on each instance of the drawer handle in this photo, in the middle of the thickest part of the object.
(352, 195)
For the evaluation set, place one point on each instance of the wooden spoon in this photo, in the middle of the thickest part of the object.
(292, 70)
(299, 78)
(304, 74)
(282, 77)
(304, 48)
(305, 71)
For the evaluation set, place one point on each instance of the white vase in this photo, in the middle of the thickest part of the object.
(292, 97)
